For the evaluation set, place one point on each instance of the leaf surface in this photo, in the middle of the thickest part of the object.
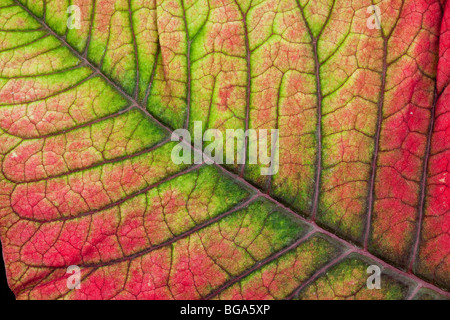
(87, 178)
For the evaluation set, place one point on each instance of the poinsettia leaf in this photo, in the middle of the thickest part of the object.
(87, 115)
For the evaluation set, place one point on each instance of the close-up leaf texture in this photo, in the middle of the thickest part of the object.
(87, 179)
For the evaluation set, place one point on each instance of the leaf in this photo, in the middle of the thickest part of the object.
(86, 117)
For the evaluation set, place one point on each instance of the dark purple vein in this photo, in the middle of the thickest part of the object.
(249, 82)
(97, 164)
(319, 272)
(54, 94)
(259, 265)
(188, 62)
(75, 127)
(118, 202)
(152, 77)
(136, 59)
(414, 292)
(423, 185)
(371, 190)
(167, 242)
(318, 173)
(91, 23)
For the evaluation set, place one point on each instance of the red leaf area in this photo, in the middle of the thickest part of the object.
(87, 178)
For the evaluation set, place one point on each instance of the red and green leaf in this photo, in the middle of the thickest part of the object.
(86, 172)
